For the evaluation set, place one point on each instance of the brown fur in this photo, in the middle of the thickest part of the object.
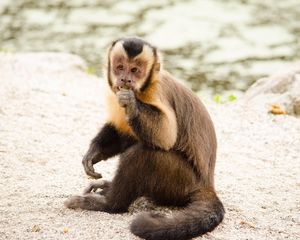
(167, 146)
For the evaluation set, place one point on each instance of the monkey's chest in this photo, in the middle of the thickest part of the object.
(121, 124)
(117, 116)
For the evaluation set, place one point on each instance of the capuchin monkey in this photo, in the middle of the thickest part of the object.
(166, 142)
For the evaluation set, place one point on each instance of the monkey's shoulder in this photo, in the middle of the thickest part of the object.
(175, 91)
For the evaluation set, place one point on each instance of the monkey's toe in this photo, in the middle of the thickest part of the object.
(88, 202)
(74, 202)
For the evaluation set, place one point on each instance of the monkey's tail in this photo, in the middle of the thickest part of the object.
(202, 215)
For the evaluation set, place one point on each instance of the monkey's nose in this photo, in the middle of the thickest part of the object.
(126, 80)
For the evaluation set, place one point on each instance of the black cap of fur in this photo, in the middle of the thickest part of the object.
(134, 46)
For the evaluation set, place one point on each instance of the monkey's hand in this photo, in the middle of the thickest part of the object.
(97, 184)
(127, 100)
(90, 158)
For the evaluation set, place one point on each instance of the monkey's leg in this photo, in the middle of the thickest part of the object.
(127, 185)
(170, 180)
(108, 143)
(123, 190)
(115, 196)
(161, 175)
(90, 201)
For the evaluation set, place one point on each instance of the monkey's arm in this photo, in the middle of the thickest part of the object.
(155, 124)
(107, 143)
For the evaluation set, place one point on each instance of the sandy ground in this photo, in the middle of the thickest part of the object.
(49, 111)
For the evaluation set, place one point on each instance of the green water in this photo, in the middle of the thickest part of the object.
(214, 46)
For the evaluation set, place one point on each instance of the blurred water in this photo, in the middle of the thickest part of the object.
(214, 46)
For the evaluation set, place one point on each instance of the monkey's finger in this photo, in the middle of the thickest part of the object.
(123, 103)
(125, 100)
(126, 94)
(89, 169)
(93, 174)
(121, 93)
(95, 185)
(72, 202)
(124, 97)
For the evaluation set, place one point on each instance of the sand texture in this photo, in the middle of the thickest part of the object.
(49, 111)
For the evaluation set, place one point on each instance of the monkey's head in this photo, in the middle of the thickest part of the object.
(132, 64)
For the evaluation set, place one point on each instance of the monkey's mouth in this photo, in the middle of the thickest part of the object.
(122, 88)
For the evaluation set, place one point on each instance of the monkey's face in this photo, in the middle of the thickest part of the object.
(128, 73)
(130, 64)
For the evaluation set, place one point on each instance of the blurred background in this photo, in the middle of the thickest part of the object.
(217, 47)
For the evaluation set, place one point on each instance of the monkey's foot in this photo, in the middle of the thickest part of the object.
(98, 184)
(89, 201)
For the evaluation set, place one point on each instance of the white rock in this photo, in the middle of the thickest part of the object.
(281, 88)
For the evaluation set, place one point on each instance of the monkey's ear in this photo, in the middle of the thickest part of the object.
(114, 42)
(157, 67)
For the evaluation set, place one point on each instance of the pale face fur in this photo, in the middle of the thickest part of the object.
(129, 73)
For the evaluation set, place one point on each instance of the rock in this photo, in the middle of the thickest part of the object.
(38, 71)
(281, 88)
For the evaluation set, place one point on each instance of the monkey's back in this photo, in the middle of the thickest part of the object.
(196, 136)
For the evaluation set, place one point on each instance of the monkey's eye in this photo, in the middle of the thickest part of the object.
(134, 70)
(120, 67)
